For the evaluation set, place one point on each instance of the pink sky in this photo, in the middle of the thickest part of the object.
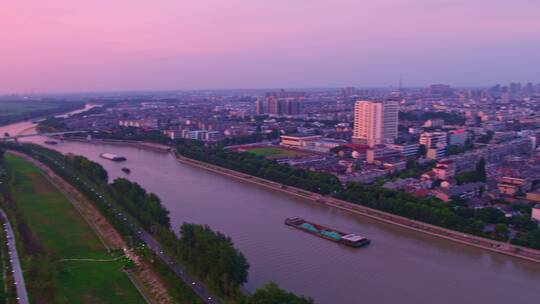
(72, 45)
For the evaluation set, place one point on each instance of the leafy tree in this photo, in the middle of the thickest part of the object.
(481, 170)
(51, 124)
(477, 175)
(146, 207)
(458, 201)
(213, 257)
(523, 208)
(252, 164)
(523, 223)
(451, 118)
(272, 294)
(92, 170)
(429, 210)
(501, 229)
(455, 149)
(422, 151)
(533, 239)
(412, 169)
(491, 215)
(132, 133)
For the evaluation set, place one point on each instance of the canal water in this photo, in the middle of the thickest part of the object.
(399, 266)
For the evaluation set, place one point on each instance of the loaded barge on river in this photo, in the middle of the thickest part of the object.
(348, 239)
(113, 157)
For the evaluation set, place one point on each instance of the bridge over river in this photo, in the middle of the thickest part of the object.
(7, 136)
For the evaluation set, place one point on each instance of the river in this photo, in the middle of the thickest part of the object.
(400, 266)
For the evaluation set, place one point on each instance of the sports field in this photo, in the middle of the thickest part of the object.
(277, 152)
(65, 237)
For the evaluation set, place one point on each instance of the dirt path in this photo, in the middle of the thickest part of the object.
(154, 288)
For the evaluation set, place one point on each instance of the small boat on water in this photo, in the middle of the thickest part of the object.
(112, 157)
(126, 170)
(348, 239)
(51, 142)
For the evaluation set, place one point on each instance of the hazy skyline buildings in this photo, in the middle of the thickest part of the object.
(281, 103)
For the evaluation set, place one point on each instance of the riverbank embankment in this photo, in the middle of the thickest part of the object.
(131, 143)
(455, 236)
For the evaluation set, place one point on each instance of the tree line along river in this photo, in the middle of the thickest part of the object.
(399, 266)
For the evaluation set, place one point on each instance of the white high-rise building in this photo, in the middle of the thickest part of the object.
(376, 122)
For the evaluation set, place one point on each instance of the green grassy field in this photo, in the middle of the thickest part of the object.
(9, 108)
(276, 152)
(3, 264)
(64, 234)
(19, 110)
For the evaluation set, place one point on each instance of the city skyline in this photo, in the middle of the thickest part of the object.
(459, 165)
(62, 46)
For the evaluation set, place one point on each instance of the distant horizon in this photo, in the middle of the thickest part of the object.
(101, 46)
(269, 89)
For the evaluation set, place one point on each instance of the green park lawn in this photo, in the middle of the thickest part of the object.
(64, 234)
(276, 152)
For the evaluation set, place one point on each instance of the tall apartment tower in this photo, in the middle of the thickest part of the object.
(376, 122)
(273, 105)
(260, 107)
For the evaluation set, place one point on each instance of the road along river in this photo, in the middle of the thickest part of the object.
(399, 266)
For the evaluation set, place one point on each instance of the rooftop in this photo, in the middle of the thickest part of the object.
(299, 135)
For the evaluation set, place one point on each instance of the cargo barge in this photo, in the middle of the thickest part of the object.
(348, 239)
(112, 157)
